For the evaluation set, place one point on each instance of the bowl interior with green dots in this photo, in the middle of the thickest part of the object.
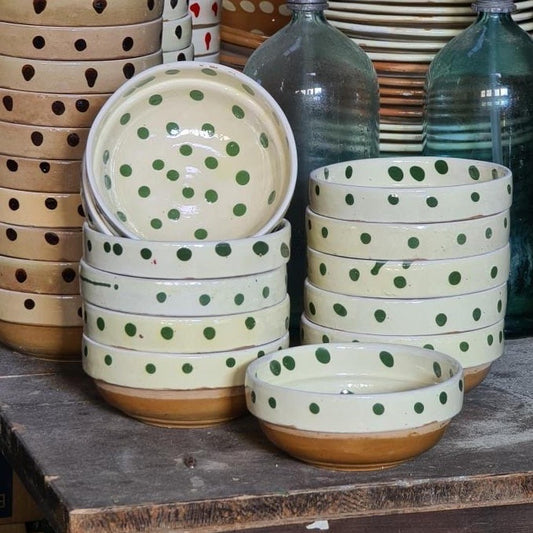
(410, 189)
(354, 387)
(195, 151)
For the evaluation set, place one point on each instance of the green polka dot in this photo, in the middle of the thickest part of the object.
(146, 253)
(242, 177)
(230, 362)
(125, 170)
(505, 222)
(288, 362)
(461, 385)
(211, 196)
(413, 242)
(317, 190)
(107, 247)
(275, 367)
(393, 199)
(250, 323)
(144, 191)
(263, 139)
(461, 239)
(417, 173)
(161, 297)
(204, 299)
(209, 71)
(188, 192)
(232, 149)
(437, 370)
(418, 408)
(429, 346)
(266, 292)
(108, 360)
(474, 197)
(431, 201)
(354, 274)
(322, 269)
(284, 250)
(173, 214)
(272, 402)
(100, 323)
(400, 282)
(365, 238)
(130, 329)
(474, 173)
(378, 409)
(490, 340)
(396, 173)
(260, 248)
(454, 278)
(253, 396)
(349, 199)
(441, 166)
(122, 216)
(185, 149)
(499, 306)
(208, 129)
(312, 308)
(158, 164)
(377, 267)
(238, 112)
(209, 333)
(476, 314)
(500, 336)
(493, 272)
(167, 333)
(156, 223)
(238, 299)
(324, 231)
(173, 175)
(125, 118)
(150, 368)
(107, 182)
(443, 398)
(488, 233)
(340, 309)
(172, 128)
(155, 99)
(200, 234)
(441, 319)
(223, 249)
(464, 346)
(239, 210)
(380, 315)
(314, 408)
(386, 358)
(196, 95)
(117, 249)
(184, 254)
(186, 368)
(211, 163)
(143, 133)
(248, 89)
(322, 355)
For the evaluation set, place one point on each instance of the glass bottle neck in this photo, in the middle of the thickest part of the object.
(317, 7)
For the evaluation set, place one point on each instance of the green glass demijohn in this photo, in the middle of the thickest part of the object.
(479, 105)
(327, 87)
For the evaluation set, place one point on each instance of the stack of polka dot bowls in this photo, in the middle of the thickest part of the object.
(59, 62)
(410, 251)
(188, 172)
(176, 37)
(206, 15)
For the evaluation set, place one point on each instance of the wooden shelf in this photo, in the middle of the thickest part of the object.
(92, 469)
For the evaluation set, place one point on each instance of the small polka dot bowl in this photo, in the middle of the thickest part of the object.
(354, 406)
(173, 390)
(410, 189)
(191, 151)
(263, 17)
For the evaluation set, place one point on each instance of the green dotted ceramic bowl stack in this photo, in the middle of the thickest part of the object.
(188, 172)
(410, 250)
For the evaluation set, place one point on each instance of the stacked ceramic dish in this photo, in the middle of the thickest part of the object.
(189, 170)
(59, 62)
(402, 37)
(206, 15)
(176, 37)
(410, 251)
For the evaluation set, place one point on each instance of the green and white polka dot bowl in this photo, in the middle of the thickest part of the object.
(410, 189)
(476, 349)
(405, 316)
(172, 371)
(354, 406)
(183, 297)
(186, 334)
(191, 151)
(196, 260)
(407, 242)
(408, 279)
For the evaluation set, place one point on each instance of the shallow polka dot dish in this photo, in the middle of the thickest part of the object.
(182, 297)
(196, 260)
(410, 189)
(354, 406)
(191, 152)
(476, 349)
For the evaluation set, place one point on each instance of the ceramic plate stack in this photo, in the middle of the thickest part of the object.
(410, 251)
(53, 80)
(402, 37)
(176, 37)
(189, 170)
(246, 24)
(206, 15)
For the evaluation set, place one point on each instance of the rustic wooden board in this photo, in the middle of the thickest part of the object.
(95, 470)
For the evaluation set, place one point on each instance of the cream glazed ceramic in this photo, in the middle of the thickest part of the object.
(410, 189)
(197, 260)
(205, 12)
(172, 371)
(174, 334)
(407, 242)
(408, 279)
(186, 54)
(183, 297)
(191, 151)
(174, 9)
(409, 316)
(354, 406)
(176, 34)
(476, 349)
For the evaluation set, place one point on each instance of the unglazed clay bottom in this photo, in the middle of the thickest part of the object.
(178, 409)
(53, 343)
(354, 452)
(474, 375)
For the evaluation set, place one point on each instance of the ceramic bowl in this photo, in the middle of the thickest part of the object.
(194, 151)
(45, 244)
(176, 33)
(92, 214)
(55, 343)
(40, 309)
(87, 12)
(186, 334)
(476, 349)
(174, 9)
(212, 58)
(354, 406)
(206, 39)
(49, 109)
(40, 175)
(43, 141)
(187, 54)
(52, 210)
(80, 42)
(182, 297)
(197, 260)
(405, 316)
(257, 16)
(408, 279)
(71, 77)
(407, 242)
(42, 277)
(205, 11)
(410, 189)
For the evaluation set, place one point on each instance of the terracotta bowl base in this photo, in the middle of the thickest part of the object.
(177, 409)
(54, 343)
(352, 452)
(475, 375)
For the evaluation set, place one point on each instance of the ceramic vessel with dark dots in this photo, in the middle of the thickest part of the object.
(403, 398)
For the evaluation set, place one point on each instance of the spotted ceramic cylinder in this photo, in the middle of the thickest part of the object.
(206, 19)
